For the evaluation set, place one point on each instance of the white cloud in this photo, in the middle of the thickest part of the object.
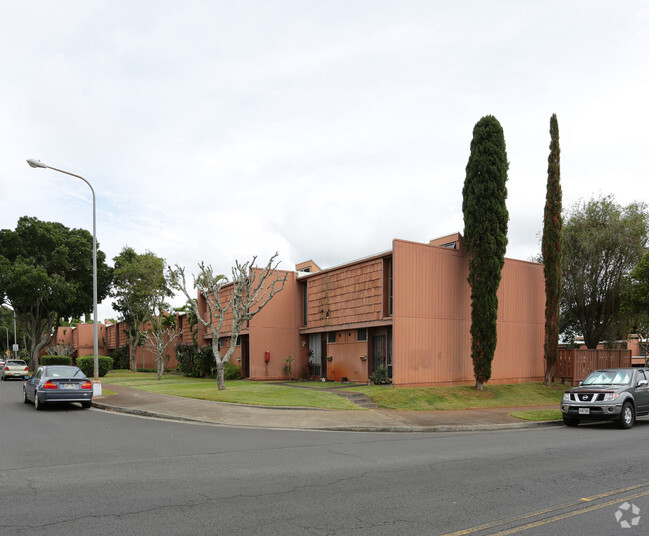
(219, 130)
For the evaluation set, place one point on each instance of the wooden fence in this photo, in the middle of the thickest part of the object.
(574, 365)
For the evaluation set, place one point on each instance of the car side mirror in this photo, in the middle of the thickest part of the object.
(643, 383)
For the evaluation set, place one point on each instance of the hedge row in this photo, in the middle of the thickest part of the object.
(56, 360)
(87, 364)
(199, 363)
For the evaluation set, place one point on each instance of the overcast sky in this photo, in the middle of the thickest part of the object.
(218, 130)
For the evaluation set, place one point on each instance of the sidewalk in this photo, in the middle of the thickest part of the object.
(147, 404)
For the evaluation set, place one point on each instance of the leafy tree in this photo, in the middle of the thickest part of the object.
(552, 247)
(635, 298)
(249, 292)
(139, 283)
(485, 236)
(602, 242)
(46, 275)
(636, 294)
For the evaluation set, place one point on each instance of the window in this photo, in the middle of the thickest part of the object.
(361, 334)
(331, 337)
(387, 287)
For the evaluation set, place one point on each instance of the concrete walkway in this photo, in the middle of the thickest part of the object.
(157, 405)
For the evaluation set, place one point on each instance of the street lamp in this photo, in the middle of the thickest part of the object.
(7, 337)
(96, 384)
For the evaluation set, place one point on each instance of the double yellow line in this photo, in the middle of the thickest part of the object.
(574, 509)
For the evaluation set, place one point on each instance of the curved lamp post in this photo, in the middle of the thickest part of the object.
(8, 349)
(96, 384)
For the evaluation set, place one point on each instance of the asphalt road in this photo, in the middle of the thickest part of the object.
(66, 470)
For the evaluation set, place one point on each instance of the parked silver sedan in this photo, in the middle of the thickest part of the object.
(57, 383)
(14, 368)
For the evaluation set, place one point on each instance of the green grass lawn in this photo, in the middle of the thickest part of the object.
(404, 398)
(462, 397)
(314, 384)
(237, 391)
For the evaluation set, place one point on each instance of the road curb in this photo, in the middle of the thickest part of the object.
(356, 428)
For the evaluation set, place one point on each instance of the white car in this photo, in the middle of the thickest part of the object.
(14, 368)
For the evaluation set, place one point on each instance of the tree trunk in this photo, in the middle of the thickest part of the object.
(549, 375)
(133, 357)
(479, 385)
(161, 365)
(220, 378)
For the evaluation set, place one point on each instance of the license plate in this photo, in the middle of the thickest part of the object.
(68, 386)
(584, 411)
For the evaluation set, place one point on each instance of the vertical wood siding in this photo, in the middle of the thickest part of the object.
(432, 318)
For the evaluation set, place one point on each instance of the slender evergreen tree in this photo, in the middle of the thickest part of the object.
(552, 247)
(485, 236)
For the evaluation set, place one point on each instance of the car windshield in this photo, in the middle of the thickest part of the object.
(609, 377)
(16, 363)
(64, 372)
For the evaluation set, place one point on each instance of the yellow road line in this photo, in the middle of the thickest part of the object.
(568, 514)
(523, 517)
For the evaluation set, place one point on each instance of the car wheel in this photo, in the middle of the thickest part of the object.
(627, 416)
(37, 403)
(86, 405)
(25, 399)
(570, 422)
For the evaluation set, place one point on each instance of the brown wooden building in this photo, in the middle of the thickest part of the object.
(407, 309)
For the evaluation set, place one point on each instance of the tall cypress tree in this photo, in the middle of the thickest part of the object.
(485, 237)
(552, 247)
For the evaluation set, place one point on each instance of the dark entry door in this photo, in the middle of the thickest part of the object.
(323, 357)
(245, 356)
(379, 352)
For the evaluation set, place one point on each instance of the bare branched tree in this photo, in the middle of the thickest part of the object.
(162, 332)
(60, 349)
(249, 292)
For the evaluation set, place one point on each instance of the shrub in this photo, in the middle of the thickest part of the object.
(231, 372)
(121, 357)
(186, 355)
(87, 364)
(195, 362)
(207, 364)
(56, 360)
(380, 377)
(288, 366)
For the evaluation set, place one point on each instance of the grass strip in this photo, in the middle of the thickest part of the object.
(539, 415)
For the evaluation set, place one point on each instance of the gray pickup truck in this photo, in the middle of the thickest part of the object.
(612, 394)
